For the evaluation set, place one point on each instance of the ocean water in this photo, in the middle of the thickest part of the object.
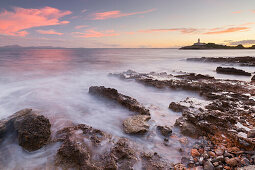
(56, 82)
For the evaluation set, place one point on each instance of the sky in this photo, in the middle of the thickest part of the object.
(126, 23)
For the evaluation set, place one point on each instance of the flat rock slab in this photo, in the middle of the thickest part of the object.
(231, 70)
(125, 101)
(136, 124)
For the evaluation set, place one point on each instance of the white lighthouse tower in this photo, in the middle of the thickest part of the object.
(199, 43)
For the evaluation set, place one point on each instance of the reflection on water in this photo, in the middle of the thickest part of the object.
(56, 82)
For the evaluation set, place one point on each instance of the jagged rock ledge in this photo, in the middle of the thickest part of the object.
(125, 101)
(243, 61)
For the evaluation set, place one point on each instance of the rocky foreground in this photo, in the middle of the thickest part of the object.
(222, 124)
(225, 119)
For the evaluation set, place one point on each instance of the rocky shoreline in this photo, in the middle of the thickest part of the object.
(222, 124)
(243, 61)
(225, 118)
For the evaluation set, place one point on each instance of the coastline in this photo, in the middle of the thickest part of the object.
(212, 125)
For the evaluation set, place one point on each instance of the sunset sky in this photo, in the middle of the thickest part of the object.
(126, 23)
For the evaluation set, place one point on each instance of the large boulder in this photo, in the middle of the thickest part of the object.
(125, 101)
(136, 124)
(33, 130)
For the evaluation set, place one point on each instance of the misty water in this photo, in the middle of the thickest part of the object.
(56, 82)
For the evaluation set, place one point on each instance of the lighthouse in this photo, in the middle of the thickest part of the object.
(199, 43)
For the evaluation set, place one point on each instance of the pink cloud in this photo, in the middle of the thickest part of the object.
(227, 30)
(16, 22)
(81, 26)
(51, 32)
(91, 33)
(116, 14)
(182, 30)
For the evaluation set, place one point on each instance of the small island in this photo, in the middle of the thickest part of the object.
(205, 46)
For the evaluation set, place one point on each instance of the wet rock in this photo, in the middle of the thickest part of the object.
(176, 107)
(136, 124)
(187, 128)
(7, 124)
(227, 167)
(193, 76)
(232, 161)
(33, 129)
(208, 165)
(124, 155)
(219, 167)
(84, 147)
(212, 154)
(219, 152)
(125, 101)
(253, 78)
(220, 159)
(231, 70)
(195, 153)
(153, 161)
(251, 167)
(251, 134)
(216, 164)
(179, 167)
(82, 143)
(165, 130)
(245, 161)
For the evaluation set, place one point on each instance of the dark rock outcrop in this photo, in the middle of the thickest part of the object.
(165, 130)
(33, 130)
(193, 76)
(231, 70)
(253, 78)
(176, 107)
(136, 124)
(125, 101)
(244, 61)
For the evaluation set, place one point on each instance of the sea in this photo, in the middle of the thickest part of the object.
(55, 82)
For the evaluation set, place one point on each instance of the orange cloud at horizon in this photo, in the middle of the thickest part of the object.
(50, 32)
(16, 22)
(116, 14)
(96, 34)
(227, 30)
